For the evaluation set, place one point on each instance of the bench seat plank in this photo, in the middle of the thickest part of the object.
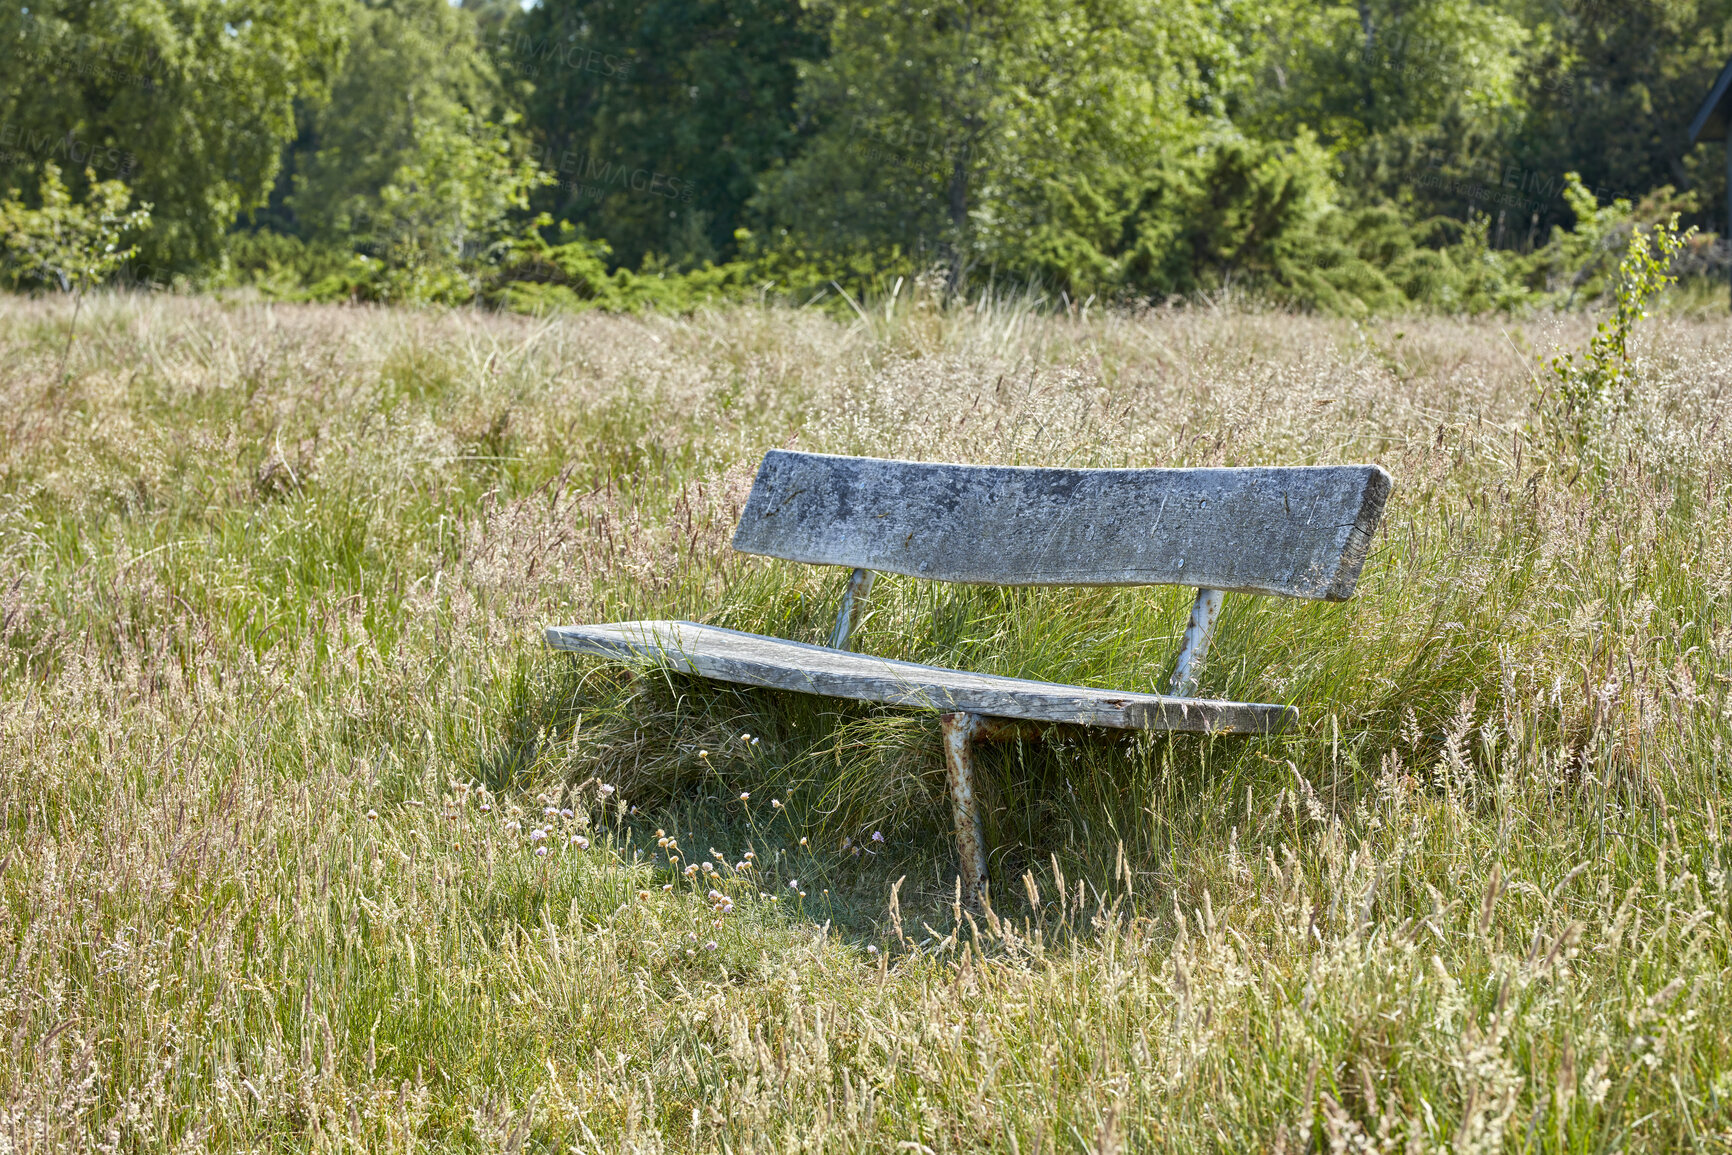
(756, 660)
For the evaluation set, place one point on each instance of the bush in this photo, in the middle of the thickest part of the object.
(1245, 216)
(64, 245)
(1580, 394)
(538, 275)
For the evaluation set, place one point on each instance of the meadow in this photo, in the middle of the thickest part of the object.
(309, 843)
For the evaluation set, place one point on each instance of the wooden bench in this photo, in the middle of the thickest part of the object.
(1298, 532)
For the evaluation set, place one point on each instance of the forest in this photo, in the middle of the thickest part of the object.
(1458, 156)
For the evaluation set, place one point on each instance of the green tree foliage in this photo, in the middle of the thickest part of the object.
(1357, 157)
(1100, 149)
(655, 119)
(1612, 98)
(960, 129)
(187, 101)
(438, 224)
(414, 69)
(65, 244)
(1225, 211)
(536, 275)
(409, 178)
(1391, 87)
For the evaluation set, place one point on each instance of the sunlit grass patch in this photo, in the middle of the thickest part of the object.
(310, 841)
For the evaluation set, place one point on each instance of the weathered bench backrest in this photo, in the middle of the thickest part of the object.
(1299, 532)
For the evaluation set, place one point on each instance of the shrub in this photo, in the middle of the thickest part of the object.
(1579, 394)
(65, 245)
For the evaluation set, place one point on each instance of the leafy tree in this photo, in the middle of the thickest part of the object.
(432, 233)
(1613, 97)
(1408, 96)
(413, 162)
(958, 129)
(187, 101)
(655, 119)
(1356, 72)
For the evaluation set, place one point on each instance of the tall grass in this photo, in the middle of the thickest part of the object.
(281, 752)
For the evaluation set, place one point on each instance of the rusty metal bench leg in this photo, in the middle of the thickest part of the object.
(959, 731)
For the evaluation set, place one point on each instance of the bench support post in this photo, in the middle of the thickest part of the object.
(1204, 611)
(859, 585)
(959, 732)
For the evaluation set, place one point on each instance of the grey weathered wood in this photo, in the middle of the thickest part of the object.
(1300, 531)
(754, 660)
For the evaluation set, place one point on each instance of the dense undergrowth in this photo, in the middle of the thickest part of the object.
(1364, 262)
(310, 843)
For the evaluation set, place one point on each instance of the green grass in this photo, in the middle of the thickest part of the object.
(277, 729)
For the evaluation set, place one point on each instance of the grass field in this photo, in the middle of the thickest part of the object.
(309, 843)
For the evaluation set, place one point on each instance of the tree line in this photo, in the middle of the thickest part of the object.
(1456, 154)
